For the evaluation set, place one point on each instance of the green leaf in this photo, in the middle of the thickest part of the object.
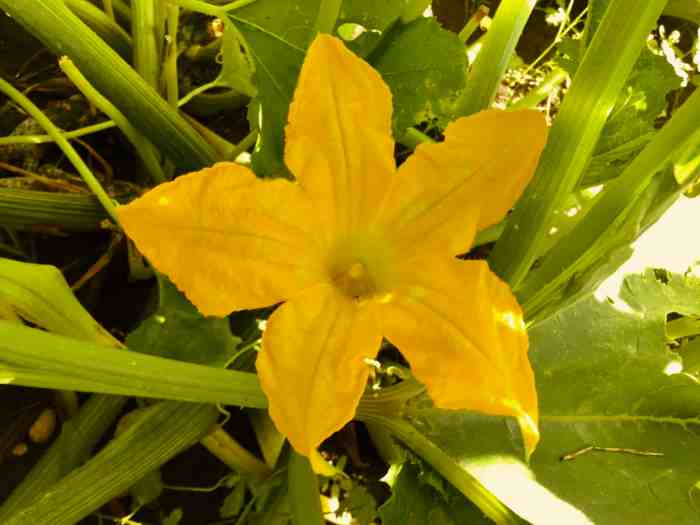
(602, 372)
(374, 20)
(178, 331)
(276, 35)
(360, 503)
(656, 293)
(39, 294)
(415, 502)
(424, 66)
(237, 68)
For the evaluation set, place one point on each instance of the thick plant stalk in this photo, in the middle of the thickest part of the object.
(76, 441)
(101, 24)
(598, 231)
(65, 34)
(23, 209)
(606, 65)
(164, 430)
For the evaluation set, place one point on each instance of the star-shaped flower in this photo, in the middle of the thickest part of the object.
(356, 250)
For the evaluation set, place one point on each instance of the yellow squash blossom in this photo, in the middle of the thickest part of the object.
(356, 250)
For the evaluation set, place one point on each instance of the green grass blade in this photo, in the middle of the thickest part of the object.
(608, 61)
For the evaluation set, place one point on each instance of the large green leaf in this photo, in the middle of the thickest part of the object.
(277, 35)
(425, 67)
(178, 331)
(605, 379)
(657, 293)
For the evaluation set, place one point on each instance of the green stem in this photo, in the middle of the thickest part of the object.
(212, 10)
(448, 467)
(473, 23)
(43, 139)
(413, 137)
(224, 447)
(146, 46)
(25, 210)
(170, 64)
(304, 494)
(493, 59)
(62, 143)
(40, 359)
(144, 148)
(548, 85)
(385, 444)
(103, 25)
(563, 31)
(32, 357)
(79, 435)
(600, 229)
(244, 145)
(162, 431)
(605, 67)
(109, 8)
(94, 128)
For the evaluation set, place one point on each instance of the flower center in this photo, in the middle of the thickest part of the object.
(361, 266)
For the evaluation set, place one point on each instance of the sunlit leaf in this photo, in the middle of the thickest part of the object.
(603, 380)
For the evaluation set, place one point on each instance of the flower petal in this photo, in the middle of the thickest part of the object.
(311, 364)
(228, 240)
(338, 140)
(461, 329)
(444, 193)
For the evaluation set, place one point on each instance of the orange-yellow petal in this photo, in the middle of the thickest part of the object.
(338, 140)
(444, 193)
(311, 365)
(228, 240)
(461, 329)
